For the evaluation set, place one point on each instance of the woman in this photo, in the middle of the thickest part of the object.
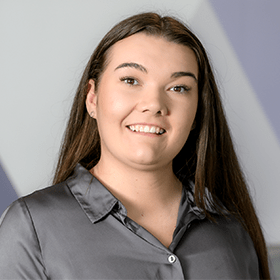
(147, 185)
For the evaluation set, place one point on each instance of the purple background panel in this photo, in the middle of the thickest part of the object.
(253, 28)
(7, 193)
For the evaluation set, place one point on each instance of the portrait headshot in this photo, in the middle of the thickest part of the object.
(139, 140)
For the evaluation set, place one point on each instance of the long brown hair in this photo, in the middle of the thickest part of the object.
(208, 157)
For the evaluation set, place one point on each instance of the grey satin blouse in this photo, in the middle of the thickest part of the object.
(79, 230)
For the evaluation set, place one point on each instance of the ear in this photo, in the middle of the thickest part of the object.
(91, 99)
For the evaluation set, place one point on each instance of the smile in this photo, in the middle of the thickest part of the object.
(146, 129)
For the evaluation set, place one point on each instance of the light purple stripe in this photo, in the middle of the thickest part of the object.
(7, 193)
(253, 27)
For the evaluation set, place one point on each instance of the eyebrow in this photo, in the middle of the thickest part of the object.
(183, 74)
(132, 65)
(143, 69)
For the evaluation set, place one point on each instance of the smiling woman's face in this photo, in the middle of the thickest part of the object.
(146, 101)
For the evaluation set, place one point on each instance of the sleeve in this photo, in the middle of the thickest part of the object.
(20, 254)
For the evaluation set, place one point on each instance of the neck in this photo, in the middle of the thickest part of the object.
(139, 189)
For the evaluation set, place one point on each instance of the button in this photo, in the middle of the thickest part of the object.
(171, 258)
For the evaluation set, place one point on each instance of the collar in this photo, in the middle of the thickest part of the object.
(93, 197)
(97, 202)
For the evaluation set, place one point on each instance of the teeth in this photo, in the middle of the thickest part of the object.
(147, 129)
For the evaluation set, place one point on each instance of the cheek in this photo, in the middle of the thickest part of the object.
(114, 106)
(187, 114)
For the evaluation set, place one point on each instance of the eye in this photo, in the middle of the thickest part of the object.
(130, 81)
(180, 89)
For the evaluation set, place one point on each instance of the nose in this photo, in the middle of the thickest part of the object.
(153, 101)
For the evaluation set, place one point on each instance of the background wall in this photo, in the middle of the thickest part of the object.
(44, 48)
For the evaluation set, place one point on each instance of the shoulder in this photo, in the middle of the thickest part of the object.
(20, 248)
(38, 208)
(225, 231)
(51, 198)
(27, 229)
(223, 245)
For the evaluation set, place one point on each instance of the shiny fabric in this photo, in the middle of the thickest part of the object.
(79, 230)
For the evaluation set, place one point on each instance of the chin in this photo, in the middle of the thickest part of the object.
(149, 163)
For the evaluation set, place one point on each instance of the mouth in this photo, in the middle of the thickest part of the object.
(147, 129)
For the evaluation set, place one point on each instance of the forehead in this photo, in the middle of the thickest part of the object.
(152, 51)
